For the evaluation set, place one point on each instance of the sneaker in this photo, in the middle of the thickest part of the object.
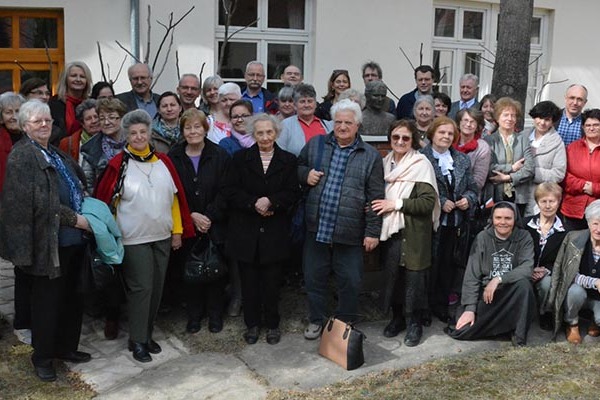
(24, 335)
(312, 331)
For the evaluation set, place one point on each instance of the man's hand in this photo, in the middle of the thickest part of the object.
(448, 206)
(467, 318)
(314, 177)
(370, 243)
(462, 204)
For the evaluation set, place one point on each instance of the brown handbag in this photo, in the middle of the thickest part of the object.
(342, 344)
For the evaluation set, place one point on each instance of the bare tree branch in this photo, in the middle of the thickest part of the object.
(480, 63)
(201, 71)
(120, 69)
(21, 66)
(243, 28)
(128, 52)
(488, 50)
(101, 62)
(49, 62)
(421, 54)
(169, 29)
(177, 64)
(405, 56)
(165, 62)
(539, 94)
(147, 56)
(535, 59)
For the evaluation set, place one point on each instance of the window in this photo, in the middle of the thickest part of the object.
(31, 45)
(275, 32)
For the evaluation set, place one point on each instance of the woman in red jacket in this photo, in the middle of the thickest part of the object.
(582, 181)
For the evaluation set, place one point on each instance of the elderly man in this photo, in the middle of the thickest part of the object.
(140, 95)
(371, 71)
(188, 90)
(343, 174)
(291, 76)
(300, 128)
(469, 87)
(424, 77)
(262, 100)
(569, 125)
(375, 120)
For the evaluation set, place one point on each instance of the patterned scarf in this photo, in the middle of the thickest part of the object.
(111, 147)
(128, 153)
(170, 133)
(75, 186)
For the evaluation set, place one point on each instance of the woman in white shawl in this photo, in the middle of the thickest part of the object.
(411, 211)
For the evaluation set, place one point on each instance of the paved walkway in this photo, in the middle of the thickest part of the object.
(249, 374)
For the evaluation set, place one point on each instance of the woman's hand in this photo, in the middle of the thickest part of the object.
(448, 206)
(488, 292)
(462, 204)
(467, 318)
(598, 285)
(201, 222)
(82, 223)
(538, 273)
(518, 165)
(262, 206)
(587, 188)
(383, 206)
(176, 241)
(499, 177)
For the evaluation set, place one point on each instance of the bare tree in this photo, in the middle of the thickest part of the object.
(511, 66)
(229, 7)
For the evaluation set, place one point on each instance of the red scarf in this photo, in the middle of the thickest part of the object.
(468, 147)
(70, 121)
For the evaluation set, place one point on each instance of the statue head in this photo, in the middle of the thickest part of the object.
(375, 92)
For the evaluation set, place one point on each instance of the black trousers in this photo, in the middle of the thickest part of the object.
(23, 286)
(444, 272)
(57, 308)
(260, 293)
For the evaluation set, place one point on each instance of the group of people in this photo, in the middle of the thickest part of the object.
(276, 181)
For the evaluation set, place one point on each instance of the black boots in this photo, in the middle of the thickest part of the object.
(396, 325)
(414, 331)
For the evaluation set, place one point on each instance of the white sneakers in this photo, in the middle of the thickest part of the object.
(312, 331)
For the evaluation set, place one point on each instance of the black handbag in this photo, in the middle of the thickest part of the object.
(95, 274)
(205, 263)
(342, 344)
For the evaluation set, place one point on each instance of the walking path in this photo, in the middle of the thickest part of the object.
(249, 374)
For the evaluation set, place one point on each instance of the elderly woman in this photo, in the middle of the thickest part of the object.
(102, 90)
(87, 115)
(486, 106)
(470, 123)
(285, 103)
(261, 188)
(101, 148)
(239, 113)
(458, 196)
(220, 123)
(147, 197)
(74, 86)
(497, 297)
(512, 166)
(411, 212)
(202, 166)
(547, 232)
(300, 128)
(547, 149)
(424, 112)
(210, 95)
(41, 233)
(443, 103)
(35, 88)
(575, 278)
(10, 131)
(337, 83)
(165, 126)
(582, 179)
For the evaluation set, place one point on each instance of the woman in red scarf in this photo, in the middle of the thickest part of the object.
(470, 124)
(74, 86)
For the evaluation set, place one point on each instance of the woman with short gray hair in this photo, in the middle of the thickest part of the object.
(285, 103)
(144, 191)
(424, 112)
(210, 94)
(220, 123)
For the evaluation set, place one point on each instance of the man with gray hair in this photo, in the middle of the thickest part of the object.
(469, 87)
(342, 175)
(140, 96)
(262, 100)
(188, 90)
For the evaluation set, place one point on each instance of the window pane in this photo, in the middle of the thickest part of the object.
(442, 64)
(473, 63)
(244, 13)
(6, 81)
(287, 14)
(235, 58)
(536, 30)
(43, 74)
(281, 55)
(5, 32)
(472, 25)
(37, 33)
(444, 22)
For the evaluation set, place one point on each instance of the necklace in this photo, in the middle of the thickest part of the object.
(148, 177)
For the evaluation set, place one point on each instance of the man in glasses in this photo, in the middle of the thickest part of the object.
(188, 90)
(262, 100)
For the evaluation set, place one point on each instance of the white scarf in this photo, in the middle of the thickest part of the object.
(413, 167)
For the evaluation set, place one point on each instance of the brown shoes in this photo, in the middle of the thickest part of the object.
(573, 334)
(593, 330)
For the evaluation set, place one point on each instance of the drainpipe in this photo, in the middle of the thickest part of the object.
(134, 25)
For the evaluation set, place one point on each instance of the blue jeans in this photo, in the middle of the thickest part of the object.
(346, 262)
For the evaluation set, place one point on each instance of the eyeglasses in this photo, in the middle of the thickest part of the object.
(109, 118)
(397, 138)
(41, 93)
(243, 116)
(40, 122)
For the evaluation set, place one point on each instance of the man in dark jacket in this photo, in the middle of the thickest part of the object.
(424, 78)
(140, 95)
(262, 100)
(343, 175)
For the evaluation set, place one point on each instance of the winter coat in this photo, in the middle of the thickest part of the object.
(363, 183)
(292, 137)
(582, 166)
(106, 232)
(93, 161)
(250, 236)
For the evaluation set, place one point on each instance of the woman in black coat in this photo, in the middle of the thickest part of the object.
(262, 187)
(202, 166)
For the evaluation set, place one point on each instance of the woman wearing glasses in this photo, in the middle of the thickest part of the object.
(582, 181)
(411, 211)
(41, 233)
(470, 124)
(239, 113)
(338, 82)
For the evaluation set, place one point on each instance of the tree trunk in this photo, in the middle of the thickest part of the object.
(511, 68)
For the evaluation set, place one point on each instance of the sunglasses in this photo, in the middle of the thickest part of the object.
(396, 138)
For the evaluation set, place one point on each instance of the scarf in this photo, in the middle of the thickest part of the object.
(413, 167)
(146, 155)
(71, 122)
(245, 141)
(170, 133)
(111, 147)
(72, 181)
(468, 147)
